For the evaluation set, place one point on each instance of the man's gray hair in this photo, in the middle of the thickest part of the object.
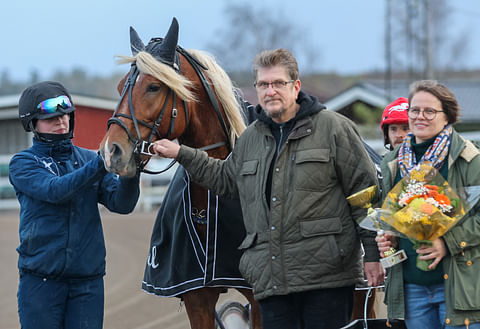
(280, 57)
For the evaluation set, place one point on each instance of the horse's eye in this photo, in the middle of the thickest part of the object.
(153, 88)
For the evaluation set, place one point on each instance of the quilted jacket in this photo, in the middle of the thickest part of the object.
(305, 237)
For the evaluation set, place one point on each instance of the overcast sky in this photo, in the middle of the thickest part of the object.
(52, 35)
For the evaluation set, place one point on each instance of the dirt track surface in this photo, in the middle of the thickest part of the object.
(126, 305)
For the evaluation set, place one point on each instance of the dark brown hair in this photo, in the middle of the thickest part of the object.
(445, 96)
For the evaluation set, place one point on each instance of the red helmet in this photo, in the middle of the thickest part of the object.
(395, 113)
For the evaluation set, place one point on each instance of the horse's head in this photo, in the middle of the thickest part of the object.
(151, 105)
(163, 79)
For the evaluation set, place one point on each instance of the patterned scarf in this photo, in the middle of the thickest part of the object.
(434, 156)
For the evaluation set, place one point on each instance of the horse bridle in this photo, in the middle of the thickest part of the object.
(143, 146)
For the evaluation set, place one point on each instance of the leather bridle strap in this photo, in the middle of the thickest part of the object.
(206, 85)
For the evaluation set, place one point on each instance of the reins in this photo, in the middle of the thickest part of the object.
(142, 147)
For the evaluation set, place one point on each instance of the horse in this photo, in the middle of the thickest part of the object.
(206, 115)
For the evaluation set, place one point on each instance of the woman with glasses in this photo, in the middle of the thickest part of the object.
(59, 186)
(446, 296)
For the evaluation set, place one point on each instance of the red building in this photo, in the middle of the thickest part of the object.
(91, 116)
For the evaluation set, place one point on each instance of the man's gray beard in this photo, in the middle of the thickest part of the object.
(275, 115)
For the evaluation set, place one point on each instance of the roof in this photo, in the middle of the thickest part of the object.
(373, 92)
(364, 92)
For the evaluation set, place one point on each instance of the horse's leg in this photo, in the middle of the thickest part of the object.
(255, 316)
(200, 306)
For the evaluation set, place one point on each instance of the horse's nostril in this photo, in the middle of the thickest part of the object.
(115, 150)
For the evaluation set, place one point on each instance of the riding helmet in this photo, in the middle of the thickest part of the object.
(29, 103)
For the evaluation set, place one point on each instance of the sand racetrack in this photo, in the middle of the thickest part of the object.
(126, 305)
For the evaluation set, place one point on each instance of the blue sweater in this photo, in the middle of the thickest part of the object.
(59, 186)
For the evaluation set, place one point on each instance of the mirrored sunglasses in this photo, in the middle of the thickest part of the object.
(51, 105)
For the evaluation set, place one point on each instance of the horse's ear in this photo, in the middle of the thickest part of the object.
(136, 44)
(166, 50)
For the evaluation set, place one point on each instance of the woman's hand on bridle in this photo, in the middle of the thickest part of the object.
(166, 148)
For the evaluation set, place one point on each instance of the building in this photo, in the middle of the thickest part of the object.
(374, 95)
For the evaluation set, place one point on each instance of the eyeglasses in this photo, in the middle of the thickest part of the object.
(277, 85)
(428, 113)
(51, 105)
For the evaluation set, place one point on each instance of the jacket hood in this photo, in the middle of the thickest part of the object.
(308, 105)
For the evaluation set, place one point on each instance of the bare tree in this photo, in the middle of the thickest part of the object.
(250, 30)
(420, 39)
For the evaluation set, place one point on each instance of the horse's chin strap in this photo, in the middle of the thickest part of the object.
(170, 165)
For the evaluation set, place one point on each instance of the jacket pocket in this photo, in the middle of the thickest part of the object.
(249, 180)
(324, 226)
(322, 244)
(249, 241)
(464, 273)
(313, 170)
(249, 168)
(253, 260)
(27, 236)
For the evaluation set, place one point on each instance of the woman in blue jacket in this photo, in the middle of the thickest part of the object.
(59, 185)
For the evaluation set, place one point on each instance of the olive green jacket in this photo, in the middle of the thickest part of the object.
(461, 266)
(307, 238)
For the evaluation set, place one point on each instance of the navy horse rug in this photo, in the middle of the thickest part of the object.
(177, 260)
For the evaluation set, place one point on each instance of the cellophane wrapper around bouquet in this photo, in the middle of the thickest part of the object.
(423, 207)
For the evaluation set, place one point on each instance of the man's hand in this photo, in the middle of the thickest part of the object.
(166, 148)
(375, 273)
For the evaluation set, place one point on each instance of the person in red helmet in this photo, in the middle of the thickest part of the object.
(394, 123)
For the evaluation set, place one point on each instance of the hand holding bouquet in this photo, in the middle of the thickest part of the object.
(423, 207)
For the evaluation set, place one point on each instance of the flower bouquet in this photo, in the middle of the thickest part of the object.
(423, 207)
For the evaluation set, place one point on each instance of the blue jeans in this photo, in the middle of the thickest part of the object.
(54, 304)
(319, 309)
(424, 306)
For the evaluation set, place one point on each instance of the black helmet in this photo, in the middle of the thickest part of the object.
(45, 100)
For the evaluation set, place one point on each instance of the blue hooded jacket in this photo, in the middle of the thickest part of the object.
(59, 186)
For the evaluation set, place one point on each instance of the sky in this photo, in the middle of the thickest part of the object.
(51, 35)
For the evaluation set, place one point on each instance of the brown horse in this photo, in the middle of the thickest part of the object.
(206, 115)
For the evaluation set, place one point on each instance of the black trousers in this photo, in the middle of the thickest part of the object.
(314, 309)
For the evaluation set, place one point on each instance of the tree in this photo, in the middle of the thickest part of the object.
(419, 41)
(251, 30)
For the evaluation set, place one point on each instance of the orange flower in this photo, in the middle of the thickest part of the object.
(432, 187)
(410, 199)
(443, 199)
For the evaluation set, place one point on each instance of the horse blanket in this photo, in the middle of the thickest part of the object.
(177, 261)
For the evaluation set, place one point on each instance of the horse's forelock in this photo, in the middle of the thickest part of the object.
(180, 85)
(147, 64)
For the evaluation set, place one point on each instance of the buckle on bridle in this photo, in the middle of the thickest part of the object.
(145, 148)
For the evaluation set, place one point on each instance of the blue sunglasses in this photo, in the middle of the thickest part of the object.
(51, 105)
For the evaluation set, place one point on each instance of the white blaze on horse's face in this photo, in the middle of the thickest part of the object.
(106, 154)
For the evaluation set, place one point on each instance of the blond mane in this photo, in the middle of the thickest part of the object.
(224, 89)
